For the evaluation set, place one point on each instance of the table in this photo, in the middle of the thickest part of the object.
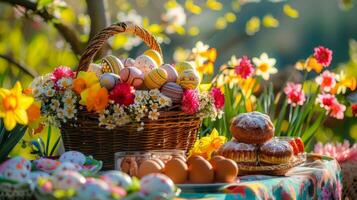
(318, 178)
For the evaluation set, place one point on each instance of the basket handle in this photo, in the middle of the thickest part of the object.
(98, 41)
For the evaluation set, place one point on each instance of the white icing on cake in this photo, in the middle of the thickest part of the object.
(252, 120)
(276, 146)
(233, 145)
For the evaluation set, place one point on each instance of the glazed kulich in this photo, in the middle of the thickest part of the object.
(240, 152)
(252, 128)
(275, 152)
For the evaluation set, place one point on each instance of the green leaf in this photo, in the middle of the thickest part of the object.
(312, 129)
(55, 146)
(280, 119)
(14, 137)
(48, 140)
(43, 3)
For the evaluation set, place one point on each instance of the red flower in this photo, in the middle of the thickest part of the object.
(190, 102)
(244, 68)
(323, 55)
(218, 97)
(62, 72)
(326, 100)
(123, 94)
(295, 94)
(354, 110)
(337, 110)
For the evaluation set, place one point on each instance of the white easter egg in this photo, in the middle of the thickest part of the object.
(145, 63)
(157, 184)
(97, 69)
(73, 157)
(65, 180)
(117, 178)
(94, 189)
(68, 166)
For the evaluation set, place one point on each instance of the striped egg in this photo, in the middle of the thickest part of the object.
(128, 62)
(97, 69)
(189, 79)
(109, 80)
(155, 78)
(171, 72)
(182, 66)
(111, 64)
(154, 55)
(173, 91)
(132, 76)
(145, 63)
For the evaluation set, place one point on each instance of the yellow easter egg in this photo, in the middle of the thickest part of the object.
(189, 79)
(155, 56)
(182, 66)
(155, 78)
(111, 64)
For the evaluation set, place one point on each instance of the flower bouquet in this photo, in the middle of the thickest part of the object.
(127, 104)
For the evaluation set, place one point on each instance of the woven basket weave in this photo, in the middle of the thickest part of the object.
(349, 179)
(173, 129)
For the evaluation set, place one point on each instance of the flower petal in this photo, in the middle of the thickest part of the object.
(24, 102)
(4, 92)
(9, 121)
(17, 89)
(21, 116)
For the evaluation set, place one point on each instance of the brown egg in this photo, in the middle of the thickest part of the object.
(177, 170)
(159, 162)
(226, 171)
(191, 158)
(215, 159)
(148, 167)
(180, 157)
(200, 171)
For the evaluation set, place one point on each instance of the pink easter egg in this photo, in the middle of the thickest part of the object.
(128, 62)
(132, 76)
(171, 72)
(145, 63)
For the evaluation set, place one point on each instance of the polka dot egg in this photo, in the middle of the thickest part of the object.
(155, 78)
(171, 72)
(145, 63)
(46, 164)
(109, 80)
(157, 184)
(73, 157)
(117, 178)
(17, 168)
(111, 64)
(132, 76)
(189, 79)
(94, 189)
(65, 180)
(173, 91)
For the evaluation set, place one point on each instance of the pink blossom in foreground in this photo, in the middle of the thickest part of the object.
(323, 55)
(327, 80)
(341, 152)
(218, 97)
(244, 68)
(295, 94)
(190, 102)
(326, 100)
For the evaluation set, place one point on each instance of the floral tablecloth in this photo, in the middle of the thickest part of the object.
(318, 178)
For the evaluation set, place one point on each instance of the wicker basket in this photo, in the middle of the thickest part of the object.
(173, 129)
(349, 179)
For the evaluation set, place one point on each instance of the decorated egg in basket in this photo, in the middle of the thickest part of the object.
(157, 184)
(17, 168)
(34, 176)
(46, 164)
(128, 62)
(154, 55)
(132, 76)
(173, 91)
(155, 78)
(73, 157)
(68, 179)
(109, 80)
(145, 63)
(189, 79)
(182, 66)
(111, 64)
(97, 69)
(65, 166)
(171, 72)
(117, 178)
(94, 189)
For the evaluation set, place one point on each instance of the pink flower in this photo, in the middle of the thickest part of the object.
(123, 94)
(337, 110)
(323, 55)
(326, 80)
(354, 110)
(326, 100)
(62, 72)
(190, 102)
(295, 94)
(244, 68)
(218, 97)
(341, 152)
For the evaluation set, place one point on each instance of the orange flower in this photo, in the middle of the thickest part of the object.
(27, 91)
(97, 100)
(312, 64)
(79, 85)
(84, 81)
(206, 68)
(33, 112)
(210, 54)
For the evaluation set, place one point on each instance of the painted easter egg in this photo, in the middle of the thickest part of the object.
(75, 157)
(145, 63)
(128, 62)
(173, 91)
(97, 69)
(132, 76)
(34, 176)
(182, 66)
(68, 166)
(109, 80)
(46, 164)
(94, 189)
(111, 64)
(159, 184)
(171, 72)
(117, 178)
(65, 180)
(17, 168)
(155, 56)
(189, 79)
(155, 78)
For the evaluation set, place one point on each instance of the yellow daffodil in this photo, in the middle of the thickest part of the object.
(84, 81)
(252, 26)
(290, 11)
(312, 64)
(13, 106)
(208, 144)
(265, 66)
(343, 83)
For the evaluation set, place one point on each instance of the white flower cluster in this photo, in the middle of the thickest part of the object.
(58, 102)
(207, 108)
(146, 103)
